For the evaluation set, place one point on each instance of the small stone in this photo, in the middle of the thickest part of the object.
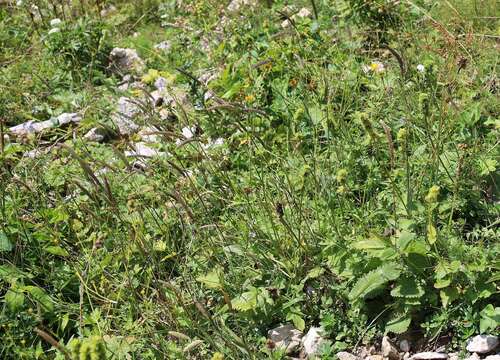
(389, 350)
(374, 357)
(149, 135)
(163, 46)
(144, 150)
(429, 355)
(492, 357)
(482, 344)
(33, 127)
(286, 337)
(303, 13)
(236, 5)
(125, 60)
(312, 341)
(404, 345)
(124, 115)
(95, 135)
(344, 355)
(453, 356)
(474, 356)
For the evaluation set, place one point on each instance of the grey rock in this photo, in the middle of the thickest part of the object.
(474, 356)
(126, 112)
(374, 357)
(492, 357)
(453, 356)
(124, 61)
(344, 355)
(429, 355)
(286, 337)
(389, 350)
(144, 150)
(95, 135)
(149, 134)
(312, 341)
(33, 127)
(237, 5)
(482, 344)
(404, 345)
(163, 46)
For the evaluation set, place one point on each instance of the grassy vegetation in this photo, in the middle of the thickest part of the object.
(356, 186)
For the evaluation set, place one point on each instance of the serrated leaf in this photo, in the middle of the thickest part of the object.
(245, 302)
(5, 244)
(211, 280)
(398, 324)
(374, 280)
(407, 288)
(57, 250)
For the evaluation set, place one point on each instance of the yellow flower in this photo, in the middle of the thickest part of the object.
(217, 356)
(249, 98)
(433, 194)
(341, 175)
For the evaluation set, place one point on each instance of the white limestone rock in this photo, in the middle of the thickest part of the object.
(124, 61)
(429, 355)
(312, 341)
(482, 344)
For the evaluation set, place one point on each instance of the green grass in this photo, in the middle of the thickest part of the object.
(363, 202)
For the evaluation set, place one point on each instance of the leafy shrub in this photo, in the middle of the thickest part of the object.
(81, 47)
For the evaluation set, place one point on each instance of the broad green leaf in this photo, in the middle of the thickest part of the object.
(408, 288)
(448, 295)
(315, 272)
(442, 283)
(404, 240)
(5, 244)
(245, 302)
(399, 324)
(14, 299)
(40, 296)
(490, 319)
(211, 280)
(373, 243)
(374, 280)
(297, 321)
(56, 250)
(431, 234)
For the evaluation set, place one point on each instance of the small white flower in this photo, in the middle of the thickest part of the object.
(55, 22)
(19, 2)
(54, 30)
(420, 68)
(218, 142)
(188, 132)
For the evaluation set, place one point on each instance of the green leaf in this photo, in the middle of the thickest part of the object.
(315, 272)
(374, 280)
(5, 244)
(408, 288)
(442, 283)
(297, 321)
(212, 280)
(14, 299)
(40, 296)
(404, 240)
(490, 318)
(398, 324)
(245, 302)
(448, 295)
(56, 250)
